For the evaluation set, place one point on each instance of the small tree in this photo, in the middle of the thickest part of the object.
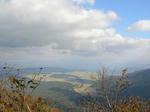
(108, 92)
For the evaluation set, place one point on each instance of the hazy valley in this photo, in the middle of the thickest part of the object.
(66, 89)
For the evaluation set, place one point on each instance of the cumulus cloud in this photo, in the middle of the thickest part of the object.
(142, 25)
(59, 23)
(37, 29)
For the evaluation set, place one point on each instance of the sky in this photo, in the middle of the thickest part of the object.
(79, 34)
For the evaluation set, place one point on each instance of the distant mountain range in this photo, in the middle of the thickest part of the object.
(45, 70)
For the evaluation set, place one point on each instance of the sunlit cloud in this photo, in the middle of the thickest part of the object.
(142, 25)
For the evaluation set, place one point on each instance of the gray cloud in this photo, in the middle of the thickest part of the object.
(40, 30)
(38, 23)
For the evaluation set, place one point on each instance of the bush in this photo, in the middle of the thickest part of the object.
(108, 96)
(15, 94)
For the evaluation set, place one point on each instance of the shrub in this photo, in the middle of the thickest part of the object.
(15, 94)
(108, 94)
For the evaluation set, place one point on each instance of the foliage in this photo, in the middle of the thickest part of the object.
(131, 104)
(15, 94)
(108, 96)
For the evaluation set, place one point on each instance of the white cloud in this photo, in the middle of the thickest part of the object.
(57, 29)
(142, 25)
(85, 1)
(59, 22)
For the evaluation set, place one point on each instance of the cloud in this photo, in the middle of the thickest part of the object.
(58, 29)
(85, 1)
(142, 25)
(58, 23)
